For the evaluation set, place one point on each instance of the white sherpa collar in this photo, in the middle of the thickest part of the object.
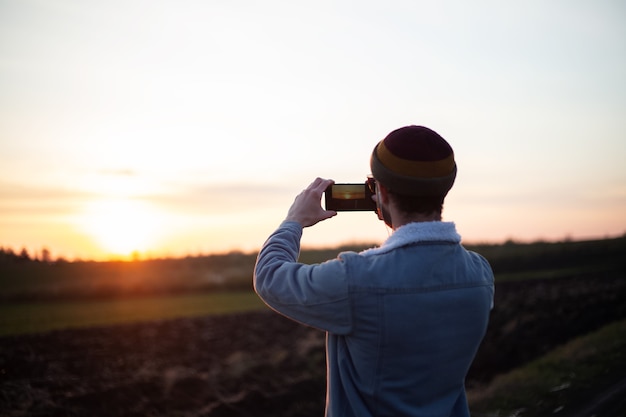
(418, 232)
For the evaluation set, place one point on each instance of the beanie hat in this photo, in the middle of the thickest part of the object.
(414, 161)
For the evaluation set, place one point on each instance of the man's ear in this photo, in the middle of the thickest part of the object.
(382, 204)
(384, 193)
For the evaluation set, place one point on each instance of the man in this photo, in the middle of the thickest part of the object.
(404, 320)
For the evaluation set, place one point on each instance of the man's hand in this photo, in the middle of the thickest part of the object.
(307, 208)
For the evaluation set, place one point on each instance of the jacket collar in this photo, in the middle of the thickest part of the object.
(418, 232)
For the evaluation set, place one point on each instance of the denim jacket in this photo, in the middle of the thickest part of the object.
(403, 321)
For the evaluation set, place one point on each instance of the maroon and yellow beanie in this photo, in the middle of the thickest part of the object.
(414, 161)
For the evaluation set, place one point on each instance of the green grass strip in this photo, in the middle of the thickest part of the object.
(560, 382)
(21, 318)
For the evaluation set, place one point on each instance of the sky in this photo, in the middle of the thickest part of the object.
(172, 128)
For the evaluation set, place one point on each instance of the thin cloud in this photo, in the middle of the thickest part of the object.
(14, 191)
(122, 172)
(21, 201)
(214, 198)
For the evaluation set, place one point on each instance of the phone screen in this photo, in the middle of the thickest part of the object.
(349, 197)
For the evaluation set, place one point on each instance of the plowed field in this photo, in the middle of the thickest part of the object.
(259, 364)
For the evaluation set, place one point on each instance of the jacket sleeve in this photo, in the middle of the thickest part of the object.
(315, 295)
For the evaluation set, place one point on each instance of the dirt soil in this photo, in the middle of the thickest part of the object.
(259, 364)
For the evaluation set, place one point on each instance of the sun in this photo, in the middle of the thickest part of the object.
(121, 226)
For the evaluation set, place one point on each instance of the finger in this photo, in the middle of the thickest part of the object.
(320, 184)
(316, 183)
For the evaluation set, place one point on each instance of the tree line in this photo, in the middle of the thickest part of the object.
(8, 255)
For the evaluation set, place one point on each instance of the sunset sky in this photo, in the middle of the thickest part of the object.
(188, 127)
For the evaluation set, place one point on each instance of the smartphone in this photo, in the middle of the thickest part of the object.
(349, 197)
